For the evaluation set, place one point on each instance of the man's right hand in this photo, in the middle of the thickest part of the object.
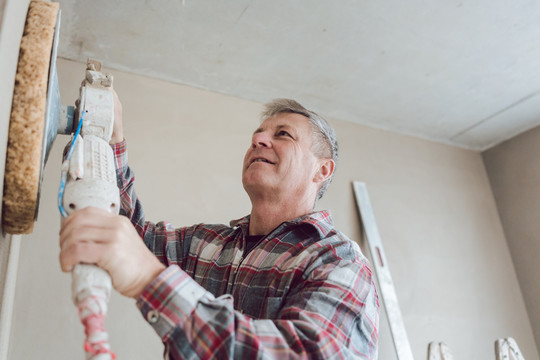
(95, 236)
(118, 130)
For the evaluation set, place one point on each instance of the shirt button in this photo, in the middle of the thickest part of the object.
(152, 316)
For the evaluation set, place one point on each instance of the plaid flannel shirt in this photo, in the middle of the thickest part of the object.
(304, 291)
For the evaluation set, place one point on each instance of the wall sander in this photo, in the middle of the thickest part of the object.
(88, 172)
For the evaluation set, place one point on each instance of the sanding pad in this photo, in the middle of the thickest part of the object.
(26, 128)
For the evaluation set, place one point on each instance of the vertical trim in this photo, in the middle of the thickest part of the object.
(9, 262)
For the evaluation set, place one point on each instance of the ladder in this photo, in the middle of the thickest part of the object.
(505, 349)
(439, 351)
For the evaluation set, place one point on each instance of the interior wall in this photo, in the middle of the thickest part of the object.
(433, 204)
(2, 4)
(514, 172)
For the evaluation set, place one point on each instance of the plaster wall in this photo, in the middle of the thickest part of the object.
(514, 172)
(436, 214)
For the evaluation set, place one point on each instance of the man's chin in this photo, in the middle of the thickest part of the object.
(256, 182)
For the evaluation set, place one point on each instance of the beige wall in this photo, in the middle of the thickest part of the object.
(433, 204)
(514, 173)
(436, 215)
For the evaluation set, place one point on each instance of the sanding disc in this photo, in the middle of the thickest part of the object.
(26, 128)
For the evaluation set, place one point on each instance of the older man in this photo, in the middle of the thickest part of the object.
(279, 283)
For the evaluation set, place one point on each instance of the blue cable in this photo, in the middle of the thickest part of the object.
(64, 173)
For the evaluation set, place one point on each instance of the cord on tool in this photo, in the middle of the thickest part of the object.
(91, 285)
(91, 292)
(65, 168)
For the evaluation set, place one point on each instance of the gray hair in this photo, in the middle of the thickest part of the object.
(325, 144)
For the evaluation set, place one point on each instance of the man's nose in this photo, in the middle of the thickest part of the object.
(261, 139)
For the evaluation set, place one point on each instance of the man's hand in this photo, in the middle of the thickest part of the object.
(118, 129)
(94, 236)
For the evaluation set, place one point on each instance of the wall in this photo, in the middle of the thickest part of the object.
(433, 204)
(12, 18)
(514, 173)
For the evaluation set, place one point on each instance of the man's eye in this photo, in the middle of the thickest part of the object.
(284, 133)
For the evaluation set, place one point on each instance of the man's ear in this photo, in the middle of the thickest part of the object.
(326, 169)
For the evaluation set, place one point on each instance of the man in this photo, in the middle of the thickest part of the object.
(279, 283)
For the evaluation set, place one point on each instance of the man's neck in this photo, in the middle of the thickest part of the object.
(266, 216)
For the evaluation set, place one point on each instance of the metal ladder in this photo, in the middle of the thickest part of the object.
(505, 349)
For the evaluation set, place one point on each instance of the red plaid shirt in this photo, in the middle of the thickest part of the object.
(304, 291)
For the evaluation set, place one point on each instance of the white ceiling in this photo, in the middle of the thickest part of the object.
(456, 72)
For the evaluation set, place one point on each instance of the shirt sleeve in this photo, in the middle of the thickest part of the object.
(130, 205)
(333, 314)
(155, 236)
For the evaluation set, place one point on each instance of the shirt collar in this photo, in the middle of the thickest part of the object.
(319, 220)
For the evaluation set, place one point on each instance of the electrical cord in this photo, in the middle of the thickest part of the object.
(65, 168)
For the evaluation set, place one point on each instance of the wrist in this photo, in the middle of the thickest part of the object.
(116, 139)
(149, 276)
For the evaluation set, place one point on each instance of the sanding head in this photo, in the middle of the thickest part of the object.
(27, 122)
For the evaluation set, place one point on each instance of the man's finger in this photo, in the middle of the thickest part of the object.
(86, 234)
(89, 216)
(84, 252)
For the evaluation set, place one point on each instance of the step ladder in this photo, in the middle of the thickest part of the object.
(505, 349)
(439, 351)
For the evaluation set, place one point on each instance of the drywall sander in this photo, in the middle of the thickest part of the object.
(89, 179)
(88, 172)
(37, 116)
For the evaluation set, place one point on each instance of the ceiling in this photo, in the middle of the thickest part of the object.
(455, 72)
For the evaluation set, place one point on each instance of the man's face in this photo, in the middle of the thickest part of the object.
(280, 161)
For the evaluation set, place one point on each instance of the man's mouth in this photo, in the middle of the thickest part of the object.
(262, 160)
